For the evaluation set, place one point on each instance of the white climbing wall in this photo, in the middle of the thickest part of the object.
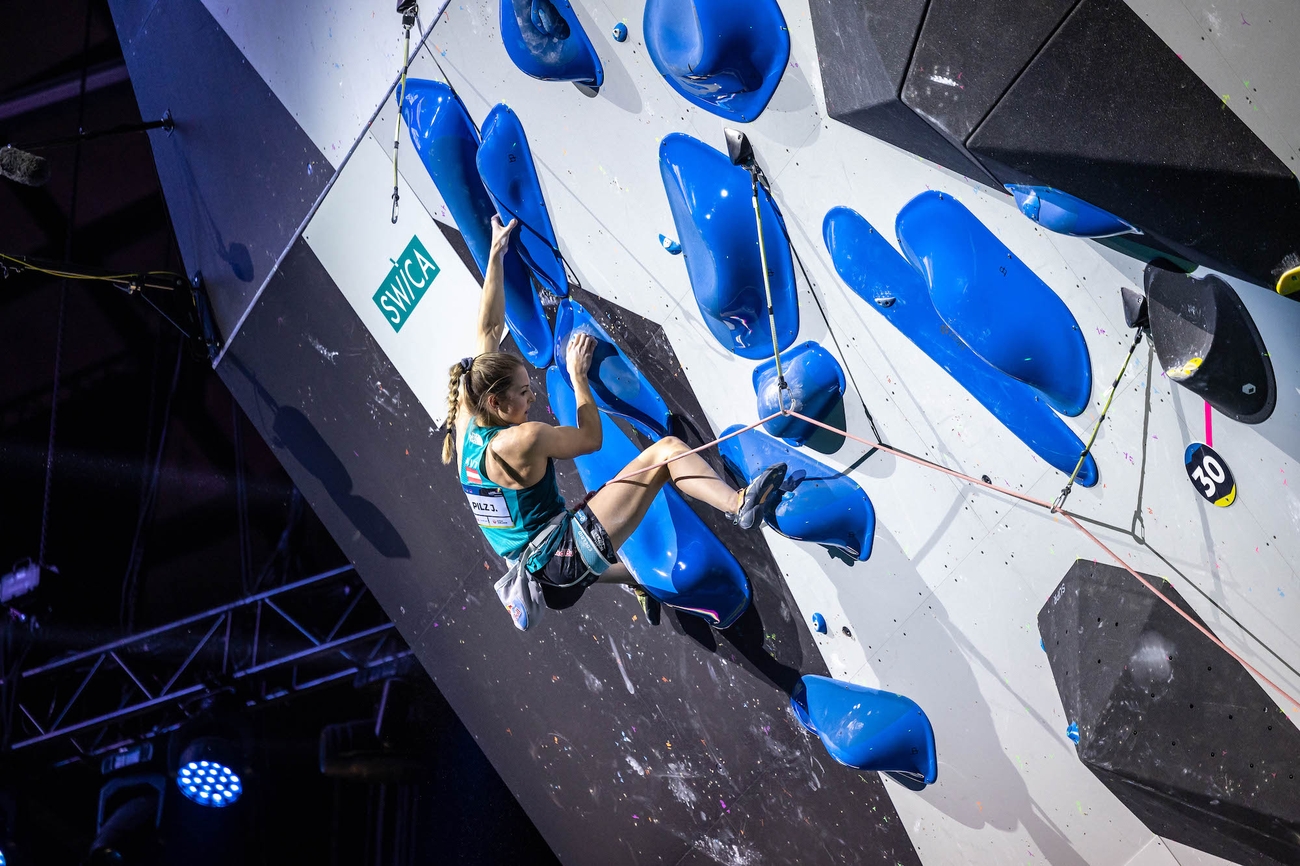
(945, 610)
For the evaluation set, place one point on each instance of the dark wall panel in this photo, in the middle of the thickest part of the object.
(1109, 113)
(1173, 725)
(238, 172)
(864, 48)
(969, 53)
(624, 743)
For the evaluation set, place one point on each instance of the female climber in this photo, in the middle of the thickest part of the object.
(507, 470)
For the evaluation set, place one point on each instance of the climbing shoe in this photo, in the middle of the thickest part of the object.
(760, 495)
(649, 605)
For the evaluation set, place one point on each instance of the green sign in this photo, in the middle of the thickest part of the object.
(406, 284)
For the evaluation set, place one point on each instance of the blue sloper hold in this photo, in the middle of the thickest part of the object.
(874, 270)
(867, 729)
(818, 505)
(506, 166)
(545, 40)
(447, 143)
(724, 57)
(816, 385)
(994, 303)
(711, 201)
(1065, 214)
(616, 383)
(672, 553)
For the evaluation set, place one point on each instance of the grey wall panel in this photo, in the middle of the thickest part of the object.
(864, 49)
(625, 743)
(238, 172)
(1109, 113)
(1172, 724)
(967, 54)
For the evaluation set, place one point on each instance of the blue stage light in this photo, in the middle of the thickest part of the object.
(209, 783)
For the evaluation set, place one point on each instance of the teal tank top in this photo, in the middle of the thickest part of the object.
(509, 518)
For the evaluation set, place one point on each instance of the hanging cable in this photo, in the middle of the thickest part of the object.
(848, 368)
(741, 153)
(149, 497)
(1083, 455)
(241, 503)
(409, 10)
(63, 300)
(781, 385)
(12, 265)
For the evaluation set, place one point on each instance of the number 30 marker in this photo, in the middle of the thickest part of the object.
(1210, 475)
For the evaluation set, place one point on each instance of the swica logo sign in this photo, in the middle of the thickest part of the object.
(406, 284)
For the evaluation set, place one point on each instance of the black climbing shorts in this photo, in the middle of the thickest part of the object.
(577, 563)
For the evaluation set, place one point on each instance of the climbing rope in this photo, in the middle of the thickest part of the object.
(1030, 500)
(1083, 455)
(1050, 507)
(409, 13)
(781, 385)
(784, 411)
(812, 290)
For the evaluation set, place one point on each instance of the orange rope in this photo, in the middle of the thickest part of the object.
(662, 463)
(1042, 503)
(1070, 517)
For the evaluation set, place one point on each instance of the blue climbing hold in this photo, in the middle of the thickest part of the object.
(1073, 731)
(670, 245)
(620, 32)
(819, 623)
(867, 729)
(711, 201)
(672, 553)
(874, 270)
(994, 303)
(616, 383)
(545, 40)
(818, 505)
(447, 143)
(505, 164)
(816, 386)
(1065, 214)
(725, 58)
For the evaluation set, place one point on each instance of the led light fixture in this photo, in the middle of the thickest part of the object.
(205, 775)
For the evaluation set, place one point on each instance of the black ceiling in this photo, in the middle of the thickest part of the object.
(150, 454)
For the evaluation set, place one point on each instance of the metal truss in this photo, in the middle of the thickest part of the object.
(314, 631)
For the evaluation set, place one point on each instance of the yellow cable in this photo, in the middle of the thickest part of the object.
(107, 278)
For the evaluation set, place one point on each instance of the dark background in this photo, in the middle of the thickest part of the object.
(153, 466)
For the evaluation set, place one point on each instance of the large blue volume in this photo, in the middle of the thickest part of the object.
(994, 302)
(726, 57)
(816, 386)
(1065, 214)
(711, 201)
(445, 138)
(868, 729)
(874, 270)
(545, 40)
(506, 166)
(616, 383)
(818, 505)
(671, 553)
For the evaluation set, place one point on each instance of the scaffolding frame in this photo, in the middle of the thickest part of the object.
(249, 665)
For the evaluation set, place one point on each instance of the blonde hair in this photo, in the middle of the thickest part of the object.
(482, 376)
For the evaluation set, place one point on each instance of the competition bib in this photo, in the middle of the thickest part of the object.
(489, 506)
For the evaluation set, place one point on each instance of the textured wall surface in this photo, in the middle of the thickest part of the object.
(627, 744)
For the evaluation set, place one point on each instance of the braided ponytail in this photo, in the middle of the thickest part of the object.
(481, 376)
(457, 372)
